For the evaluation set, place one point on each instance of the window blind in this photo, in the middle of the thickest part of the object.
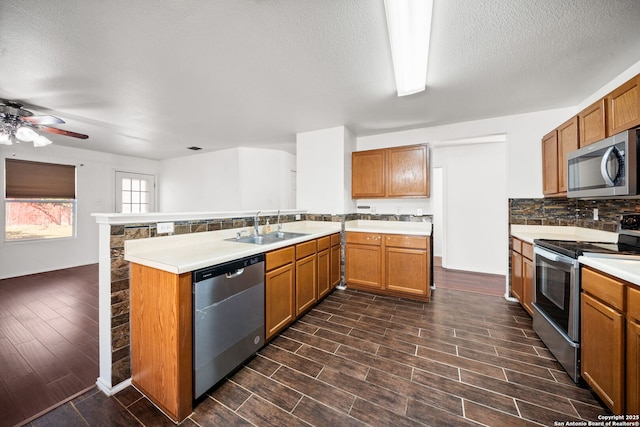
(36, 180)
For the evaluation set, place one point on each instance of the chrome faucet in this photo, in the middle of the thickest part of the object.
(279, 225)
(256, 221)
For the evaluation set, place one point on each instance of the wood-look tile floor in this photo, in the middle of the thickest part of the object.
(359, 359)
(48, 340)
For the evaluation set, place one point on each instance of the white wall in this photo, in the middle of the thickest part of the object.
(475, 225)
(95, 181)
(323, 160)
(227, 180)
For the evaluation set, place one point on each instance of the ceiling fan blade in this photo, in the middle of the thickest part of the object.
(43, 120)
(63, 132)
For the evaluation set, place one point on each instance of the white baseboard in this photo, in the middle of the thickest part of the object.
(110, 391)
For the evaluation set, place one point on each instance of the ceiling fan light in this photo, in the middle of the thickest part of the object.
(409, 27)
(5, 138)
(26, 134)
(41, 141)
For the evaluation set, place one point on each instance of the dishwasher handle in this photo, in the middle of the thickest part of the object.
(231, 275)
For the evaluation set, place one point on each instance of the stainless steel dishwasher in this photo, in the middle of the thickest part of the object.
(228, 319)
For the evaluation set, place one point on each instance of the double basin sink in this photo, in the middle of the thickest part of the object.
(267, 239)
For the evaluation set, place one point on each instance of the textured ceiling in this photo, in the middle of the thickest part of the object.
(148, 78)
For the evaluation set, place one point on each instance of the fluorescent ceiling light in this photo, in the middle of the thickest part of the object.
(409, 26)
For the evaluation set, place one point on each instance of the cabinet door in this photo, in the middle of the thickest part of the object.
(516, 276)
(633, 350)
(567, 142)
(335, 266)
(279, 299)
(623, 107)
(527, 285)
(324, 273)
(306, 285)
(368, 174)
(633, 368)
(408, 171)
(406, 271)
(550, 164)
(592, 123)
(602, 351)
(364, 266)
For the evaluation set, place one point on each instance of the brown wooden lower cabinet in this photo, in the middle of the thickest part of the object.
(306, 276)
(334, 274)
(324, 273)
(363, 261)
(633, 351)
(603, 351)
(389, 263)
(279, 285)
(522, 273)
(610, 342)
(297, 277)
(161, 338)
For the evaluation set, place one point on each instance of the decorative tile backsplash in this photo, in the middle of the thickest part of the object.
(571, 212)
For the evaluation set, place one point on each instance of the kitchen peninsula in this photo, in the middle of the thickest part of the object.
(300, 271)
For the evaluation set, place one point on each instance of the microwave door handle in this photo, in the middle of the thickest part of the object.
(603, 166)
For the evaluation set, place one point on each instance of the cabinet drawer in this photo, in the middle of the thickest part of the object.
(279, 257)
(364, 238)
(527, 250)
(335, 239)
(516, 245)
(605, 288)
(633, 303)
(324, 243)
(305, 249)
(404, 241)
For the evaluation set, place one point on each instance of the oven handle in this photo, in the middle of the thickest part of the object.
(552, 256)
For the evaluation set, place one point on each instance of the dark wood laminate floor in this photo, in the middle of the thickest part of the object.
(48, 340)
(360, 359)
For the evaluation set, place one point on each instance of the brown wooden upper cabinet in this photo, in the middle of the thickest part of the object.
(592, 123)
(623, 107)
(390, 172)
(367, 174)
(555, 147)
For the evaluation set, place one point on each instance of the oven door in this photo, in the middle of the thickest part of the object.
(557, 290)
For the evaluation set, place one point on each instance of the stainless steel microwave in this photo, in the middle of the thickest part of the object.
(605, 169)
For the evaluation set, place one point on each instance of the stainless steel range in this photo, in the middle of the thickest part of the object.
(556, 306)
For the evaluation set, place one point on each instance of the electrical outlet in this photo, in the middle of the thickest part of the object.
(164, 227)
(298, 217)
(595, 214)
(418, 212)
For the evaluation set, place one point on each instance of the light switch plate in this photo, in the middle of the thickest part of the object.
(164, 227)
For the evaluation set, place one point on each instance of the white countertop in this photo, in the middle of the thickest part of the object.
(390, 227)
(187, 252)
(528, 233)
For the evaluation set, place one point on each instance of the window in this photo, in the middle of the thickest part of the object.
(134, 192)
(40, 200)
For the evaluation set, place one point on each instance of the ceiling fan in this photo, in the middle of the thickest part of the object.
(18, 124)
